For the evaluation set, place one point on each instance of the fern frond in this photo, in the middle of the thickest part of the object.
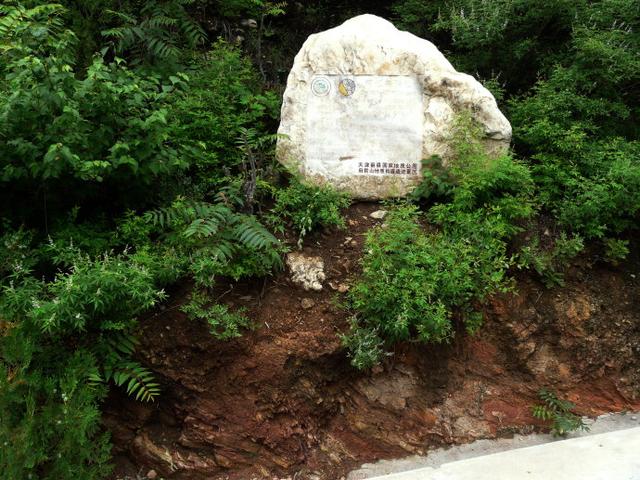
(44, 11)
(46, 17)
(253, 234)
(559, 412)
(168, 216)
(159, 30)
(123, 343)
(202, 227)
(139, 381)
(159, 21)
(219, 212)
(10, 18)
(122, 16)
(187, 212)
(193, 32)
(162, 48)
(541, 412)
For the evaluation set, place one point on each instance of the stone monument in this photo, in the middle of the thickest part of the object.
(365, 103)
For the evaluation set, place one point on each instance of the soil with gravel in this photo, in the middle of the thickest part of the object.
(282, 401)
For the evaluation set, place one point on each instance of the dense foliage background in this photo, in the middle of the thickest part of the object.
(136, 150)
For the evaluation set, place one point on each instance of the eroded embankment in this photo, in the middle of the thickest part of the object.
(282, 401)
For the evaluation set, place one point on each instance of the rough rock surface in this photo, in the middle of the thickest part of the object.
(366, 102)
(308, 272)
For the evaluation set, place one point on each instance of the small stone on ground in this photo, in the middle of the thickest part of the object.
(378, 214)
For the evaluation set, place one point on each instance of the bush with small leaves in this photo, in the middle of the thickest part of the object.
(65, 339)
(306, 207)
(99, 133)
(550, 263)
(414, 282)
(364, 345)
(616, 250)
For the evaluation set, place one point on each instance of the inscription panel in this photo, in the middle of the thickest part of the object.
(364, 125)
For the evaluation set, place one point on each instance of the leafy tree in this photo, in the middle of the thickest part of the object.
(223, 106)
(89, 142)
(511, 40)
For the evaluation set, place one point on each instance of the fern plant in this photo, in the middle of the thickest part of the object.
(218, 239)
(159, 33)
(117, 365)
(559, 413)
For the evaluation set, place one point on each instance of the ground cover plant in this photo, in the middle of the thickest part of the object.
(559, 413)
(136, 153)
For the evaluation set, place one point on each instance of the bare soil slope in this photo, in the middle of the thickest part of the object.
(283, 401)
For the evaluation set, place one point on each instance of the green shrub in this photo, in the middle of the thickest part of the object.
(413, 282)
(154, 31)
(551, 263)
(569, 71)
(474, 180)
(49, 413)
(575, 124)
(66, 338)
(306, 207)
(364, 345)
(398, 296)
(17, 257)
(107, 137)
(516, 39)
(591, 184)
(116, 136)
(437, 182)
(223, 101)
(616, 250)
(78, 132)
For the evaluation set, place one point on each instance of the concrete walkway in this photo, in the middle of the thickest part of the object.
(612, 455)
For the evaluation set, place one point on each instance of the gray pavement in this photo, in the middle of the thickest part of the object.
(610, 450)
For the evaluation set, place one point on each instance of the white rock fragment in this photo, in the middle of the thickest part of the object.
(366, 102)
(306, 271)
(378, 214)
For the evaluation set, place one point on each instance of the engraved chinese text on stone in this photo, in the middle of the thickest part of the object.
(366, 120)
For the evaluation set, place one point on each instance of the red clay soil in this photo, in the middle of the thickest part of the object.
(282, 401)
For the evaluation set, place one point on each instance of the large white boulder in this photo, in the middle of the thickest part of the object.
(366, 102)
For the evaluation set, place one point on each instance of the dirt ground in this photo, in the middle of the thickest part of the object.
(282, 401)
